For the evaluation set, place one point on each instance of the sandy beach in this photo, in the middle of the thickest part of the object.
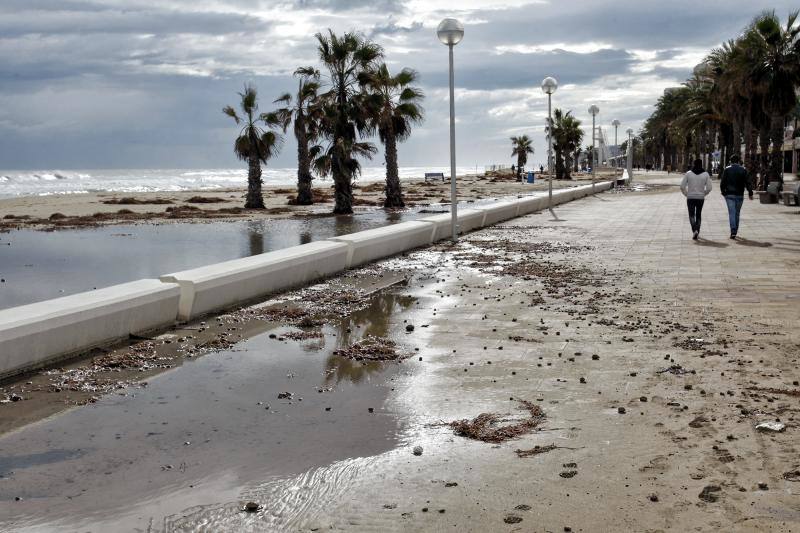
(96, 209)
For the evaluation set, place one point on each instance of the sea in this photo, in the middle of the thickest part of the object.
(15, 183)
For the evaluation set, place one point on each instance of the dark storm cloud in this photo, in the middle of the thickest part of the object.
(385, 6)
(80, 20)
(515, 70)
(630, 24)
(392, 28)
(115, 83)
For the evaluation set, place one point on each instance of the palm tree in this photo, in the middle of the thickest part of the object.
(521, 146)
(254, 144)
(777, 69)
(344, 116)
(576, 155)
(395, 106)
(305, 113)
(567, 136)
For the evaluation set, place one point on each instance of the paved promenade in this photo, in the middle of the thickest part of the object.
(604, 373)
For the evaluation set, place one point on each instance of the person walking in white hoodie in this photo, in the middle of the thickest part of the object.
(695, 187)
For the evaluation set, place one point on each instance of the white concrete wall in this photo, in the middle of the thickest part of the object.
(372, 244)
(531, 205)
(500, 211)
(222, 285)
(35, 334)
(468, 220)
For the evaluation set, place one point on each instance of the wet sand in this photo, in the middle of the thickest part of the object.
(651, 357)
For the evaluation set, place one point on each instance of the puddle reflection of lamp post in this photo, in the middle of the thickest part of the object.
(549, 86)
(630, 155)
(450, 32)
(593, 110)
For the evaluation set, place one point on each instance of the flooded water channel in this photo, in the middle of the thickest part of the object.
(39, 265)
(206, 431)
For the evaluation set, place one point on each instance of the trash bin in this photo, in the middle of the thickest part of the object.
(530, 176)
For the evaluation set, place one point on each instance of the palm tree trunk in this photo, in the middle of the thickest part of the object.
(559, 165)
(519, 167)
(254, 199)
(776, 157)
(343, 189)
(750, 149)
(568, 166)
(394, 195)
(342, 175)
(763, 157)
(304, 194)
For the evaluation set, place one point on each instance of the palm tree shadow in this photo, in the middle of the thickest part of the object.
(755, 244)
(555, 216)
(710, 244)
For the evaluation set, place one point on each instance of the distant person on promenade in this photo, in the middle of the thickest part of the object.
(695, 187)
(732, 185)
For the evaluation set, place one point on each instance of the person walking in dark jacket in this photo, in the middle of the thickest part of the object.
(732, 185)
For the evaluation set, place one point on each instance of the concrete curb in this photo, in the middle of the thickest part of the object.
(41, 333)
(38, 334)
(222, 285)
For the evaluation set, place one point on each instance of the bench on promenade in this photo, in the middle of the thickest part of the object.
(792, 196)
(770, 196)
(434, 175)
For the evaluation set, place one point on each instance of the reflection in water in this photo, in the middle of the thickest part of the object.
(395, 215)
(255, 238)
(9, 464)
(343, 224)
(371, 321)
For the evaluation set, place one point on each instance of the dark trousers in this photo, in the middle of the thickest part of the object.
(695, 211)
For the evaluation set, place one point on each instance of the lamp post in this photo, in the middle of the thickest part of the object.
(450, 32)
(549, 86)
(630, 155)
(593, 110)
(616, 124)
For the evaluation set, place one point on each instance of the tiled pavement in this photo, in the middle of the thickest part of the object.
(652, 234)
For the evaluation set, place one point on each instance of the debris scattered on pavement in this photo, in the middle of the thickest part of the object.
(484, 427)
(772, 426)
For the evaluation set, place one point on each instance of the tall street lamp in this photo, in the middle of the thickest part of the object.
(616, 124)
(593, 110)
(630, 155)
(450, 32)
(549, 86)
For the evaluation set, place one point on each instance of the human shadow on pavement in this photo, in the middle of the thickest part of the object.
(755, 244)
(710, 244)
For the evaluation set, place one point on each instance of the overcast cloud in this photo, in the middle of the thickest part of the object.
(135, 83)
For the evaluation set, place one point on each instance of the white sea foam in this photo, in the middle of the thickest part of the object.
(49, 182)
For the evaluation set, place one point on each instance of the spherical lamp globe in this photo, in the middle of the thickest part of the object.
(450, 32)
(549, 85)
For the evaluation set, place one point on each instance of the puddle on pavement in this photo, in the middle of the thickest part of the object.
(205, 431)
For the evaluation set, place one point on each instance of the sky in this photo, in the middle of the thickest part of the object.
(92, 84)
